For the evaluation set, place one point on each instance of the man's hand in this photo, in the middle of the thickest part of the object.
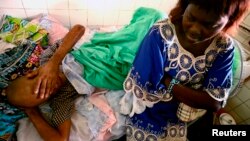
(48, 80)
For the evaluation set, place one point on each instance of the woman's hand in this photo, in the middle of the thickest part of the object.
(48, 79)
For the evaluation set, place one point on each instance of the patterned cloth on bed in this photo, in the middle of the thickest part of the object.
(18, 31)
(62, 105)
(8, 117)
(28, 40)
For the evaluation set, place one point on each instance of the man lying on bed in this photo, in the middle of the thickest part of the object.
(61, 98)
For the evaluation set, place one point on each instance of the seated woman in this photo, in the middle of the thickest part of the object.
(182, 69)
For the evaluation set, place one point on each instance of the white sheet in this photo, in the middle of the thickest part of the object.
(79, 130)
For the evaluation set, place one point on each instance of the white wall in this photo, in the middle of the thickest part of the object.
(85, 12)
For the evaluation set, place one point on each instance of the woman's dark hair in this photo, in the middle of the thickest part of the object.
(234, 9)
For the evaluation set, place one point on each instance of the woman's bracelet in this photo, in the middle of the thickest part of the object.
(168, 95)
(171, 84)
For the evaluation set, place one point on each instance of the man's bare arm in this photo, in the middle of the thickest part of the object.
(47, 74)
(45, 130)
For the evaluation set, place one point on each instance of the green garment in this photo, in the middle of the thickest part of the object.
(107, 58)
(237, 71)
(17, 31)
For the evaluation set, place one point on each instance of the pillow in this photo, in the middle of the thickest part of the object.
(16, 30)
(55, 28)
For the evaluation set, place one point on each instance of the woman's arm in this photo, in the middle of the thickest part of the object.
(47, 74)
(194, 98)
(47, 132)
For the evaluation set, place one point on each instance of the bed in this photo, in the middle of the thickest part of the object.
(108, 124)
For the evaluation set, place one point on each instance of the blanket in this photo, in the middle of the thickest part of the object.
(107, 58)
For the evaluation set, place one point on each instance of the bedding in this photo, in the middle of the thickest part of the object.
(53, 26)
(112, 125)
(79, 132)
(27, 40)
(108, 124)
(17, 31)
(4, 46)
(108, 56)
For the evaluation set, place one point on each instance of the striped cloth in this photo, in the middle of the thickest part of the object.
(62, 104)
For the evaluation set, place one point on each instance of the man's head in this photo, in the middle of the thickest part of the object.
(20, 93)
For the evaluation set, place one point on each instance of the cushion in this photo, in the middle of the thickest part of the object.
(53, 26)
